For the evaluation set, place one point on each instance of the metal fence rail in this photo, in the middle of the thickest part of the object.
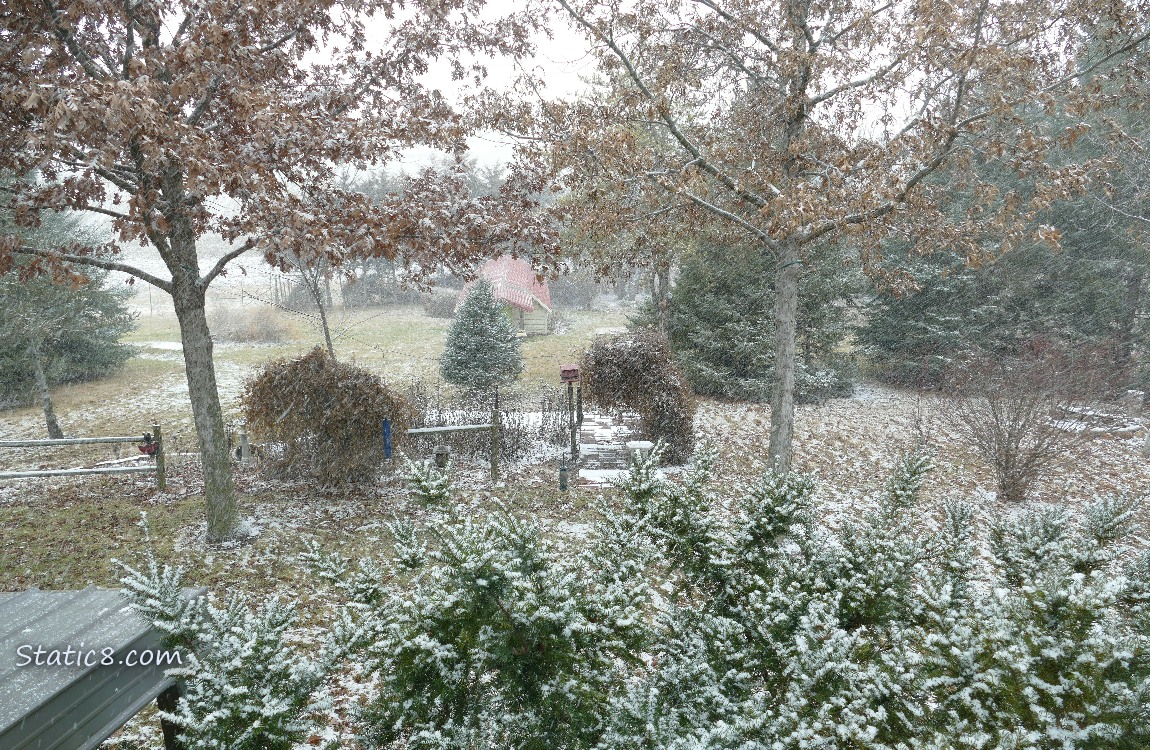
(492, 426)
(159, 467)
(66, 441)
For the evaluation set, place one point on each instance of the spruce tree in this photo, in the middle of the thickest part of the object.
(719, 323)
(53, 333)
(482, 350)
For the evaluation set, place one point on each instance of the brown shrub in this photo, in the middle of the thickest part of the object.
(637, 372)
(256, 324)
(1020, 414)
(439, 304)
(324, 417)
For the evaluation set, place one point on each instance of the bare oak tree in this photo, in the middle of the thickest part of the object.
(791, 121)
(159, 113)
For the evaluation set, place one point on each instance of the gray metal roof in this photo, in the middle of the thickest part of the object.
(72, 707)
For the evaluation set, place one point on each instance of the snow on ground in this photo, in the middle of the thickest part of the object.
(851, 445)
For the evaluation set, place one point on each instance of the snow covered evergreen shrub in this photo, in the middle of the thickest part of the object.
(637, 372)
(427, 483)
(244, 687)
(885, 633)
(704, 615)
(326, 415)
(500, 641)
(482, 349)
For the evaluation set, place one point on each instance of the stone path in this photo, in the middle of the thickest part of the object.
(602, 450)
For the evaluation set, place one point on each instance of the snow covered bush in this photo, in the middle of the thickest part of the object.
(481, 350)
(706, 615)
(244, 686)
(886, 632)
(637, 372)
(326, 415)
(427, 483)
(500, 640)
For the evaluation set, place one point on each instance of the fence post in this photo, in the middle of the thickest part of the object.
(571, 419)
(494, 445)
(161, 472)
(245, 448)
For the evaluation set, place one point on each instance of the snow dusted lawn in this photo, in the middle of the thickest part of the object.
(852, 444)
(62, 533)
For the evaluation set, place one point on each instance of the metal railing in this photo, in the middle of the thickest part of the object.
(492, 426)
(155, 438)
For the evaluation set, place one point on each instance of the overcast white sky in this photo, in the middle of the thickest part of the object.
(562, 61)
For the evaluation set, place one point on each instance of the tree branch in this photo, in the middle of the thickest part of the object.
(202, 107)
(702, 162)
(107, 265)
(718, 211)
(227, 258)
(730, 54)
(730, 18)
(834, 36)
(129, 41)
(1115, 209)
(104, 211)
(280, 42)
(79, 53)
(877, 75)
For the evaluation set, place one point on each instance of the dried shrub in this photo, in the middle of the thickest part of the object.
(248, 325)
(325, 417)
(637, 372)
(438, 305)
(1021, 413)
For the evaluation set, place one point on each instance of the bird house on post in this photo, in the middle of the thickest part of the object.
(568, 373)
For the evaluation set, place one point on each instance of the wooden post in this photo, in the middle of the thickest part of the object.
(494, 445)
(161, 468)
(571, 417)
(167, 702)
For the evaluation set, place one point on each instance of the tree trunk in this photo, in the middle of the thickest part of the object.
(1128, 321)
(219, 493)
(783, 380)
(312, 284)
(661, 294)
(54, 431)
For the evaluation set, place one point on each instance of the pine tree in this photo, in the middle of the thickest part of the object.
(719, 323)
(244, 686)
(52, 334)
(482, 350)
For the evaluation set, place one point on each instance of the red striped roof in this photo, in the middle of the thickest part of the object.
(514, 283)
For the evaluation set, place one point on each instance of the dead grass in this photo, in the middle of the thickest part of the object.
(65, 533)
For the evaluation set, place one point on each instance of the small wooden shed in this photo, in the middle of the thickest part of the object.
(527, 301)
(75, 666)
